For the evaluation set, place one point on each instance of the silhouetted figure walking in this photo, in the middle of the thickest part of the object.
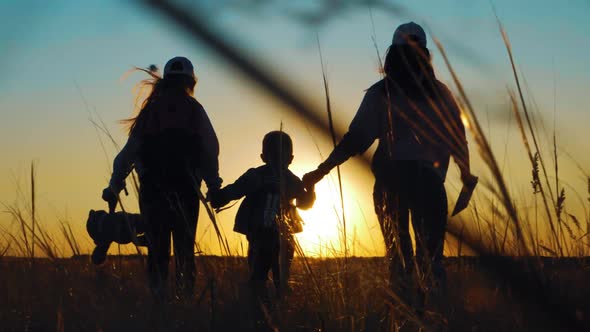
(417, 122)
(173, 147)
(267, 216)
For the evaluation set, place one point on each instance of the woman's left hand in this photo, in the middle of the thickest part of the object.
(109, 196)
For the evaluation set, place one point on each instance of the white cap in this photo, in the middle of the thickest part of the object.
(179, 66)
(409, 31)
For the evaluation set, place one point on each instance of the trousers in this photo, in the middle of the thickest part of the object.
(408, 187)
(169, 213)
(270, 251)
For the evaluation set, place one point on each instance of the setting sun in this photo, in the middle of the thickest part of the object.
(322, 233)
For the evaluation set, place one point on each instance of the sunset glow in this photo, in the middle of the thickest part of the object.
(58, 80)
(322, 233)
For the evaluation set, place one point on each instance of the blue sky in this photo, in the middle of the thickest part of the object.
(56, 55)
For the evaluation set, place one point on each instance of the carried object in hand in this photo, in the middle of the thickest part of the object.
(120, 227)
(465, 195)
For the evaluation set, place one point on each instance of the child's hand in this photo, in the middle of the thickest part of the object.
(309, 188)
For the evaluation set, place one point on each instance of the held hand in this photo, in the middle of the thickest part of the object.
(215, 199)
(313, 177)
(109, 196)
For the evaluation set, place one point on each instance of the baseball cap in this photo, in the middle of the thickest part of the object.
(179, 66)
(409, 31)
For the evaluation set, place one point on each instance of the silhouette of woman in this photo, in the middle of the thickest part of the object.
(417, 122)
(173, 147)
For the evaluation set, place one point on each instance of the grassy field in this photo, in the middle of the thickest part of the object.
(74, 295)
(509, 287)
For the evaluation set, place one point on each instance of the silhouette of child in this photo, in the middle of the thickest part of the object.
(120, 227)
(268, 216)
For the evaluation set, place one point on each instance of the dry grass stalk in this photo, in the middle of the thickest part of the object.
(487, 155)
(68, 234)
(534, 159)
(33, 200)
(334, 143)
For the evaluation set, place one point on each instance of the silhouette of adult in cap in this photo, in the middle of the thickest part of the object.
(417, 122)
(173, 147)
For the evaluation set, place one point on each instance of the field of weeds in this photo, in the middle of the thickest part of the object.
(74, 295)
(509, 286)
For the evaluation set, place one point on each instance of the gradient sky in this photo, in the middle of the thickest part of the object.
(62, 61)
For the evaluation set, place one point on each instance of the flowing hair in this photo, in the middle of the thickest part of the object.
(158, 87)
(409, 69)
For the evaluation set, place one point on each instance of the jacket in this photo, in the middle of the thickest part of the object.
(268, 198)
(176, 114)
(428, 131)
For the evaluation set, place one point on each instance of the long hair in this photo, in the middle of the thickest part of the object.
(409, 69)
(171, 85)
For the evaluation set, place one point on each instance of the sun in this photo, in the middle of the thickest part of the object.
(322, 232)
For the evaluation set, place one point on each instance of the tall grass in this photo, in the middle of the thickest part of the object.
(68, 234)
(334, 143)
(30, 234)
(353, 296)
(33, 200)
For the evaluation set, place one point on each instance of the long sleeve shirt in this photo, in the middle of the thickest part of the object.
(428, 130)
(268, 195)
(177, 113)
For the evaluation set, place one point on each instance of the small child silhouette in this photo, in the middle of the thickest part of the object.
(268, 216)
